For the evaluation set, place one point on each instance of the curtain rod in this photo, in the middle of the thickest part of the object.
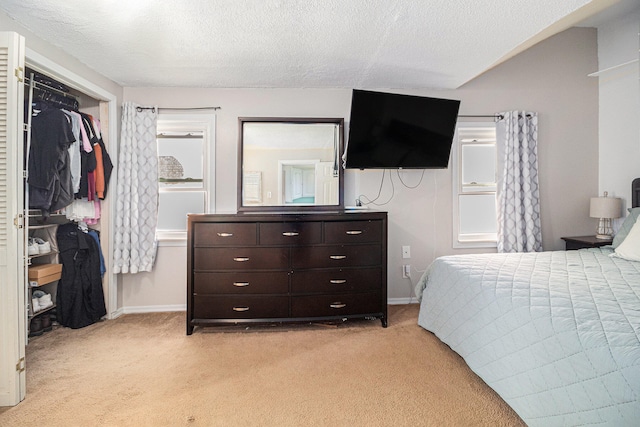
(176, 108)
(493, 116)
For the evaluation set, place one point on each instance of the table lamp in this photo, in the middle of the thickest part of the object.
(605, 208)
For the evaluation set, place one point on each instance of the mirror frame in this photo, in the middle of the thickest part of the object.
(293, 120)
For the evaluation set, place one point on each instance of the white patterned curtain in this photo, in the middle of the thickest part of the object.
(518, 195)
(137, 191)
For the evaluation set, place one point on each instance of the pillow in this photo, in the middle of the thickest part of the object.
(630, 247)
(626, 227)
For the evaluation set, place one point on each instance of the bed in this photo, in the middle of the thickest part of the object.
(555, 334)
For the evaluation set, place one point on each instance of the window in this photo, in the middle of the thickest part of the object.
(185, 177)
(474, 185)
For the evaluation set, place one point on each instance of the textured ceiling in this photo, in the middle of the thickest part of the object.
(294, 43)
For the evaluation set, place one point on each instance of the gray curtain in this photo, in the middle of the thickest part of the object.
(137, 191)
(518, 196)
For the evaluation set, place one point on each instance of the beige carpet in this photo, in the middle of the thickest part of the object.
(142, 370)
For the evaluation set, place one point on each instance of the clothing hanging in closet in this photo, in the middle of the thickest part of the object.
(69, 166)
(95, 171)
(50, 186)
(80, 298)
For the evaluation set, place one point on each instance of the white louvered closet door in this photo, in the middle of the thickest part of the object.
(12, 233)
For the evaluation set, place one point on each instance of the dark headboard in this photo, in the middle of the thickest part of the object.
(635, 193)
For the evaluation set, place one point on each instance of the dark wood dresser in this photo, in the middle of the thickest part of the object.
(286, 267)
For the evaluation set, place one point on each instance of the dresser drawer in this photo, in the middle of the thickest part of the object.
(336, 305)
(353, 232)
(225, 234)
(336, 256)
(243, 283)
(247, 258)
(239, 307)
(338, 280)
(290, 233)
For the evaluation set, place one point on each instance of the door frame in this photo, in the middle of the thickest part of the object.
(281, 174)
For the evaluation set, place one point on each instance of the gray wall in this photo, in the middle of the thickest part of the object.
(550, 78)
(619, 106)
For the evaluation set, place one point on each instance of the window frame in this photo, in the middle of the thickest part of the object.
(479, 240)
(191, 122)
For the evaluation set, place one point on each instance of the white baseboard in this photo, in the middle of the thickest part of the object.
(115, 314)
(400, 301)
(152, 308)
(182, 307)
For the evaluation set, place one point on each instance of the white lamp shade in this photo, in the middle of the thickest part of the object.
(605, 207)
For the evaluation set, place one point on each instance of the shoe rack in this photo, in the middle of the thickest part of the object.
(44, 271)
(43, 262)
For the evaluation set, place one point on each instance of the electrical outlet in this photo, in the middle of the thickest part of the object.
(406, 252)
(406, 271)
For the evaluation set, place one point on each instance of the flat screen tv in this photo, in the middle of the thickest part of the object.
(392, 131)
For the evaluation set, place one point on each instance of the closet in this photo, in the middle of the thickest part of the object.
(97, 97)
(67, 173)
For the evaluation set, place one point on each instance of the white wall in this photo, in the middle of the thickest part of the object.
(48, 50)
(619, 106)
(550, 78)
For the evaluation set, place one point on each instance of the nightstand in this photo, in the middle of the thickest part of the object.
(582, 242)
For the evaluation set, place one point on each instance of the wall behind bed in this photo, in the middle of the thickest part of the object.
(550, 78)
(619, 97)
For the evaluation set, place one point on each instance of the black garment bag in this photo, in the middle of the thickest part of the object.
(80, 298)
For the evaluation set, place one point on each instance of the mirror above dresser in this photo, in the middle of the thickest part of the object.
(290, 164)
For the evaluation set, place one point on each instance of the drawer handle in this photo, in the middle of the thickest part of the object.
(241, 259)
(240, 284)
(337, 305)
(225, 234)
(337, 256)
(337, 281)
(290, 233)
(353, 232)
(240, 309)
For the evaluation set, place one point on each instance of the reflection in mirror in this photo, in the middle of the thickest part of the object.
(290, 163)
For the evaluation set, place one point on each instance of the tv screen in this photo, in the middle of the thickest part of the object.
(389, 131)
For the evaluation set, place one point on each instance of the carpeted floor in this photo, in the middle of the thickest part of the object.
(143, 370)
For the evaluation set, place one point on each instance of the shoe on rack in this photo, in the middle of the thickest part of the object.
(35, 328)
(45, 301)
(33, 248)
(35, 305)
(46, 323)
(44, 247)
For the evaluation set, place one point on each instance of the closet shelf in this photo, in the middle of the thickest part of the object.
(38, 285)
(41, 226)
(52, 252)
(39, 221)
(46, 87)
(597, 73)
(38, 213)
(44, 310)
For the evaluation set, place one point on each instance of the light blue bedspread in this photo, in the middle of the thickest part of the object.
(555, 334)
